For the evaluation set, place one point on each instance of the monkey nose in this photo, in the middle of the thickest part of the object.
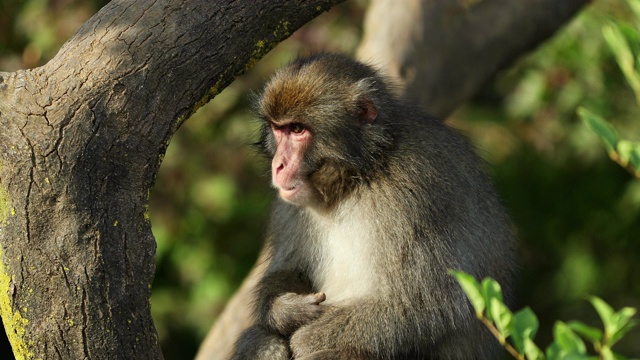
(279, 168)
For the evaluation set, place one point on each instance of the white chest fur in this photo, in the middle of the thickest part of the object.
(346, 260)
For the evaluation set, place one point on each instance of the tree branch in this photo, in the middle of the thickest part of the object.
(442, 51)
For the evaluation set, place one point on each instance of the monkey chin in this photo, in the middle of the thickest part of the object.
(299, 195)
(288, 195)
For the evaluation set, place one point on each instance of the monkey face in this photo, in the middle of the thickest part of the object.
(316, 162)
(288, 169)
(322, 130)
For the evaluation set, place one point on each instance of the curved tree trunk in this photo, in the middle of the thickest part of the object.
(81, 140)
(448, 49)
(439, 52)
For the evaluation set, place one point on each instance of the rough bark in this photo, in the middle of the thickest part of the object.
(81, 140)
(440, 52)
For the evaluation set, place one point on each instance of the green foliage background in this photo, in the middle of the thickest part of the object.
(577, 213)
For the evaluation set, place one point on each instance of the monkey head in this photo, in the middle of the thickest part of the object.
(324, 128)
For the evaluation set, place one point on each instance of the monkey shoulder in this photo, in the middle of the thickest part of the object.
(429, 153)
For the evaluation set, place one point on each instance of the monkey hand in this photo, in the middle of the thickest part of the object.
(257, 343)
(317, 337)
(334, 336)
(290, 311)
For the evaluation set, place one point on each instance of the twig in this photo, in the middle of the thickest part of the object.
(501, 339)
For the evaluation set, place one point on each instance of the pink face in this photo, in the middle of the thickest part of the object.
(292, 140)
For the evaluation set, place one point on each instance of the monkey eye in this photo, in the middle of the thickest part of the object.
(296, 128)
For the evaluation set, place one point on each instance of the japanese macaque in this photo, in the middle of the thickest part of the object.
(377, 202)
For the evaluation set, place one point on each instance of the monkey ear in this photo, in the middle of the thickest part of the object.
(367, 111)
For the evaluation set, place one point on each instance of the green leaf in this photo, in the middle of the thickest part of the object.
(616, 324)
(532, 351)
(622, 52)
(629, 152)
(590, 333)
(601, 127)
(606, 314)
(630, 33)
(524, 326)
(502, 317)
(567, 340)
(626, 153)
(554, 351)
(471, 287)
(622, 331)
(491, 290)
(635, 7)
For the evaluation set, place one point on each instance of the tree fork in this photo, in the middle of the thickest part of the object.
(81, 141)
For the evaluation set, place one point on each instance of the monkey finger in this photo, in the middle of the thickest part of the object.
(317, 298)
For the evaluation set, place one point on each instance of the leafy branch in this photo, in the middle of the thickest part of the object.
(516, 332)
(624, 152)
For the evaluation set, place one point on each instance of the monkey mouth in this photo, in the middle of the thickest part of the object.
(288, 193)
(289, 190)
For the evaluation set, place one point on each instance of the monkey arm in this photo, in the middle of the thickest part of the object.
(332, 354)
(345, 327)
(257, 343)
(286, 302)
(377, 329)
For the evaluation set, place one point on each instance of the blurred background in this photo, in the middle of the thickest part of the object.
(577, 213)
